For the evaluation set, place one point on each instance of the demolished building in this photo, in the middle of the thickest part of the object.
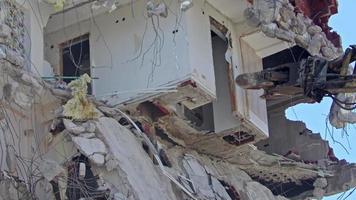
(164, 118)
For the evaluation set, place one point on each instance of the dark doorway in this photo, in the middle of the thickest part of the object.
(76, 59)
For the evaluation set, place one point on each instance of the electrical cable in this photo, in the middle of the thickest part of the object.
(341, 104)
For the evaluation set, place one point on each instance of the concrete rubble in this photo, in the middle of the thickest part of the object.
(93, 148)
(13, 189)
(73, 128)
(278, 19)
(50, 169)
(129, 171)
(68, 145)
(126, 168)
(339, 117)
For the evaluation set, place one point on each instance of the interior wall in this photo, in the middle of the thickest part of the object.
(200, 47)
(257, 109)
(186, 53)
(198, 21)
(238, 30)
(116, 52)
(223, 115)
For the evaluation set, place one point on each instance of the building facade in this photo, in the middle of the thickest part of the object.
(171, 123)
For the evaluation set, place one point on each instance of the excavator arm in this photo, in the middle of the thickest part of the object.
(313, 77)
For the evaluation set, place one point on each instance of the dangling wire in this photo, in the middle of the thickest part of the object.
(342, 104)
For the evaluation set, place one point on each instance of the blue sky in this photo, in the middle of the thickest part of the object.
(314, 115)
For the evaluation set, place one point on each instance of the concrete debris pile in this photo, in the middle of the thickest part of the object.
(19, 87)
(12, 34)
(128, 165)
(278, 19)
(114, 156)
(205, 183)
(57, 142)
(339, 117)
(117, 156)
(11, 188)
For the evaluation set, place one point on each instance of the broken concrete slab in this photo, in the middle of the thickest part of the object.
(5, 31)
(278, 19)
(87, 135)
(2, 54)
(339, 117)
(119, 196)
(89, 126)
(44, 190)
(33, 82)
(219, 190)
(110, 112)
(314, 29)
(206, 186)
(256, 191)
(50, 169)
(58, 112)
(315, 44)
(93, 148)
(343, 181)
(13, 91)
(148, 182)
(98, 159)
(328, 51)
(111, 162)
(90, 146)
(12, 56)
(73, 128)
(320, 183)
(13, 189)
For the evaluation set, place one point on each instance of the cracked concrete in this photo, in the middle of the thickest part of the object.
(278, 19)
(164, 158)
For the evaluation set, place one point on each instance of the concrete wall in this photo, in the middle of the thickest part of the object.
(293, 136)
(181, 54)
(200, 47)
(223, 116)
(36, 16)
(23, 123)
(257, 110)
(251, 108)
(185, 54)
(24, 126)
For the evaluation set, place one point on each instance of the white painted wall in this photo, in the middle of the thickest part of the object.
(188, 56)
(223, 114)
(257, 108)
(124, 42)
(79, 14)
(200, 47)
